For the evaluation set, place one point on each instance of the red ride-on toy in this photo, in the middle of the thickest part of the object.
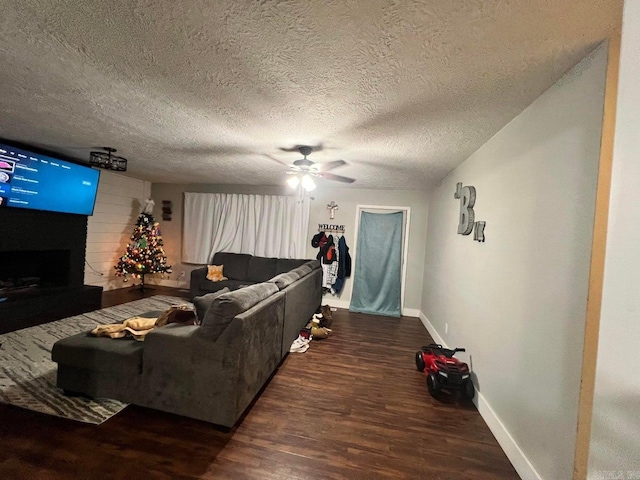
(443, 371)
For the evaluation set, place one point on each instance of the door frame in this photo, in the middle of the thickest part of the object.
(405, 241)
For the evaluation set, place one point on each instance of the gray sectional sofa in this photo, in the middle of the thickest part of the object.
(211, 371)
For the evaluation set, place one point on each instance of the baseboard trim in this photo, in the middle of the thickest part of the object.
(166, 282)
(407, 312)
(431, 329)
(511, 449)
(411, 312)
(335, 303)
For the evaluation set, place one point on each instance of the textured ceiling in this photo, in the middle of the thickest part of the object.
(204, 91)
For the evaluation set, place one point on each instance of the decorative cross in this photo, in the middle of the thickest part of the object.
(332, 207)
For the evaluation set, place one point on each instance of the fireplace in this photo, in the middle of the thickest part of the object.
(28, 272)
(42, 256)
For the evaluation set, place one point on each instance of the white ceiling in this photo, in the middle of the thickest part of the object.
(208, 91)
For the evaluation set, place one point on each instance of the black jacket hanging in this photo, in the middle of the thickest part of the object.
(344, 264)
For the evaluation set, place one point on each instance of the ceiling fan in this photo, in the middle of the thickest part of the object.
(304, 169)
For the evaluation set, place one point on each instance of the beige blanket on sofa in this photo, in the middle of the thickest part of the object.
(138, 327)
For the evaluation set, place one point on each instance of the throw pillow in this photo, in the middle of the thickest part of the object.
(214, 273)
(203, 303)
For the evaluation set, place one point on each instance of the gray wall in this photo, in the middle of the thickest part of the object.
(518, 301)
(347, 200)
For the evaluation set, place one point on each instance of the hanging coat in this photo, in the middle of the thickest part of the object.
(328, 260)
(344, 265)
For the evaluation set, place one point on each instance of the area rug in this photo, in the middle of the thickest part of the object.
(28, 376)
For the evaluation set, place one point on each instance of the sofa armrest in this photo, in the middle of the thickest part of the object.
(197, 277)
(183, 372)
(303, 297)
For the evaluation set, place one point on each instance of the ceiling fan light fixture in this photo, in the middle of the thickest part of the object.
(307, 183)
(302, 171)
(293, 181)
(107, 160)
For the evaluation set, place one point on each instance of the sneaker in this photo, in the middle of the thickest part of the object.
(305, 333)
(299, 349)
(300, 341)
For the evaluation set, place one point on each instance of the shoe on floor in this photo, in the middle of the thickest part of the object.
(299, 349)
(300, 341)
(320, 333)
(326, 312)
(326, 318)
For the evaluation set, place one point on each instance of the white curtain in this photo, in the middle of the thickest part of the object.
(262, 225)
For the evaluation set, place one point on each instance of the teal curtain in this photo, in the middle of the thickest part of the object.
(378, 264)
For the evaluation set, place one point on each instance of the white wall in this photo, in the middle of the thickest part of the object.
(615, 430)
(347, 200)
(518, 301)
(119, 202)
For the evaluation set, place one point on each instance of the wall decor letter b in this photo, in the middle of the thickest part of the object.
(467, 196)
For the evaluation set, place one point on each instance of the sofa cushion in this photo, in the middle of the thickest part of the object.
(235, 265)
(225, 307)
(285, 279)
(100, 354)
(207, 286)
(203, 303)
(302, 270)
(284, 265)
(261, 269)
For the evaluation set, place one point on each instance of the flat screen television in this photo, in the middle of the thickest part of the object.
(36, 181)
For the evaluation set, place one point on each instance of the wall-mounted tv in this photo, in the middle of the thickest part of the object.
(40, 182)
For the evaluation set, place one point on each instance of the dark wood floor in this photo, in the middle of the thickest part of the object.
(352, 407)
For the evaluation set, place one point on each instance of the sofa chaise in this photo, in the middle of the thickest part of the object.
(211, 371)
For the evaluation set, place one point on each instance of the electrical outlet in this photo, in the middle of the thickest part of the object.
(446, 328)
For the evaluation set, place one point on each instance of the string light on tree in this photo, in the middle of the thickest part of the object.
(145, 253)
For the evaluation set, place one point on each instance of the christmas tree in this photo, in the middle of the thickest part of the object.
(145, 253)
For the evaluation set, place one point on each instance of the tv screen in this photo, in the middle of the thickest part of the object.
(40, 182)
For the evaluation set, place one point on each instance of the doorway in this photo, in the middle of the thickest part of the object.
(380, 258)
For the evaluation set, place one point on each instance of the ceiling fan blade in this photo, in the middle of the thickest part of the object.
(337, 178)
(296, 148)
(276, 160)
(325, 167)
